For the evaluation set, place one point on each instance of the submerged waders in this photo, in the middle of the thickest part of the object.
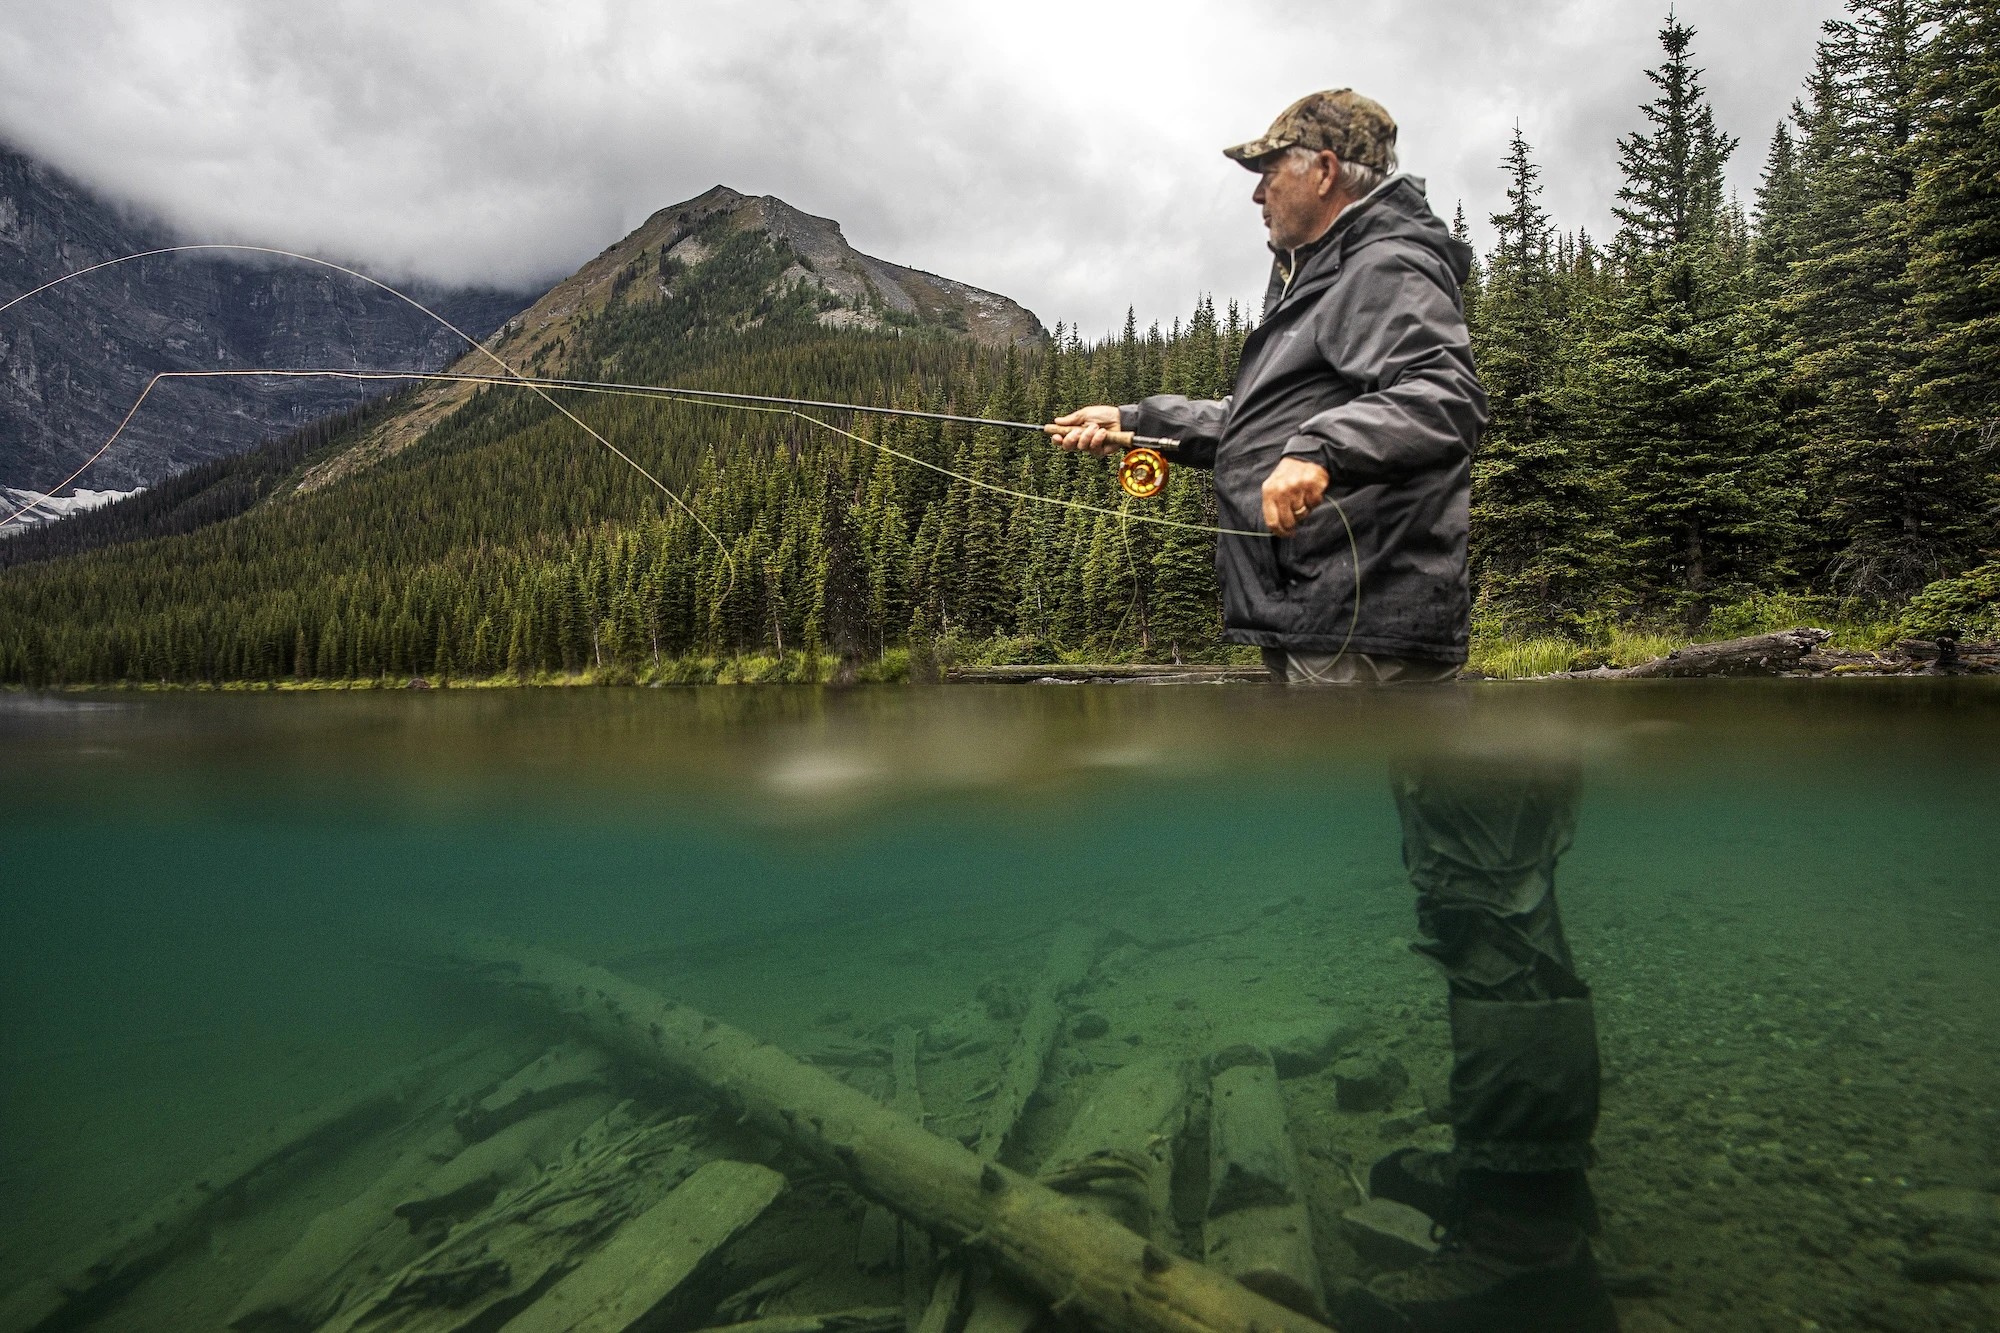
(1481, 839)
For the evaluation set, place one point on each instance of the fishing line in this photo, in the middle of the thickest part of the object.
(514, 376)
(745, 403)
(691, 397)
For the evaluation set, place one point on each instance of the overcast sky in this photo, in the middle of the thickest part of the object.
(1064, 153)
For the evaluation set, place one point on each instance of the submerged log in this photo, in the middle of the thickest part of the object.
(453, 1170)
(306, 1286)
(1758, 655)
(996, 1303)
(1118, 1153)
(82, 1288)
(475, 1177)
(499, 1263)
(1082, 1262)
(1257, 1229)
(881, 1244)
(865, 1319)
(559, 1075)
(646, 1262)
(1069, 960)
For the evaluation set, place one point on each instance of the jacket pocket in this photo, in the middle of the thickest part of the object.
(1318, 544)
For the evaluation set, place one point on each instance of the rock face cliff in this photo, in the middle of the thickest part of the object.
(72, 360)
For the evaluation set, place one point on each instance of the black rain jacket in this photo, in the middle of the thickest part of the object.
(1362, 365)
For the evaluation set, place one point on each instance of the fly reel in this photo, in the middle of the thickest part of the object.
(1142, 472)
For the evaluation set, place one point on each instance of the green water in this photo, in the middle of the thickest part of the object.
(1786, 895)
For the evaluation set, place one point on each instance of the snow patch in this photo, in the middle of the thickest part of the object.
(37, 508)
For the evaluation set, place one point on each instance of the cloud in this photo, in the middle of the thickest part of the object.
(1062, 153)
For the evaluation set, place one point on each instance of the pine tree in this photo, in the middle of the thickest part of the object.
(1185, 603)
(1532, 505)
(1475, 279)
(1673, 173)
(844, 587)
(1872, 494)
(1952, 385)
(1682, 402)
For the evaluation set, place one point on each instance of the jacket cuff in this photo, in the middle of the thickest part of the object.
(1310, 450)
(1128, 418)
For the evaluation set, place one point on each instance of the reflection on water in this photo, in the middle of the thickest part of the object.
(1780, 895)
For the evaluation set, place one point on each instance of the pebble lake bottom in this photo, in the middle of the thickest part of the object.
(1784, 894)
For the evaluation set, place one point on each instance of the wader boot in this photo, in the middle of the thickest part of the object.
(1516, 1261)
(1481, 841)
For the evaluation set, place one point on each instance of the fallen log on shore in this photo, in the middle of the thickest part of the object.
(1059, 1248)
(1106, 673)
(1758, 655)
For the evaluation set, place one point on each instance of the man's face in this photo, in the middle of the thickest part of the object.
(1297, 195)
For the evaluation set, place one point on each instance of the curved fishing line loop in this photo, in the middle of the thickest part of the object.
(1131, 561)
(513, 376)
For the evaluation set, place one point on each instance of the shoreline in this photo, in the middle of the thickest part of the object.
(1801, 653)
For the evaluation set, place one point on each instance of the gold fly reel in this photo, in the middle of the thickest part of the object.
(1142, 472)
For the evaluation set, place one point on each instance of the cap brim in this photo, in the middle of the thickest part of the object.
(1247, 153)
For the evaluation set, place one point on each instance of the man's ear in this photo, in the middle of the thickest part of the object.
(1332, 185)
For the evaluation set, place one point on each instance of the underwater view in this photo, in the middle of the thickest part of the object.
(232, 920)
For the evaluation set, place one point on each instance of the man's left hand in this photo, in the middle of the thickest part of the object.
(1293, 490)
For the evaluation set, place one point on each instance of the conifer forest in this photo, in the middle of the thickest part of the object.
(1727, 415)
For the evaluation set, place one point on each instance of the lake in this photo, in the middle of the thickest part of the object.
(1785, 895)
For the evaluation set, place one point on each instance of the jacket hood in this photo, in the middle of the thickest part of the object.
(1398, 209)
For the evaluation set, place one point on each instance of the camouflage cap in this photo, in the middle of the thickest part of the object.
(1354, 128)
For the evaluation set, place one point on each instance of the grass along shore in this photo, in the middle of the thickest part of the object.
(1495, 653)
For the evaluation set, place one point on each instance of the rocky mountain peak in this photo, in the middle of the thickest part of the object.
(869, 290)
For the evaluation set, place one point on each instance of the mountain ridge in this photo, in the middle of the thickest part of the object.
(858, 291)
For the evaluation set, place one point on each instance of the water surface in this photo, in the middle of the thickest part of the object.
(1783, 893)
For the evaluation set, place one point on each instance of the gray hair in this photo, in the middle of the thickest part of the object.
(1356, 180)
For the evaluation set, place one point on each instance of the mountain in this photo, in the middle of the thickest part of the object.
(454, 531)
(650, 269)
(74, 359)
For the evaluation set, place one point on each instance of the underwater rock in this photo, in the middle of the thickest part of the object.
(1951, 1265)
(1388, 1234)
(1088, 1024)
(1002, 1000)
(1951, 1206)
(1368, 1082)
(1303, 1043)
(1118, 960)
(1402, 1126)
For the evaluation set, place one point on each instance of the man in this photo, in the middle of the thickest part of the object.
(1358, 387)
(1356, 409)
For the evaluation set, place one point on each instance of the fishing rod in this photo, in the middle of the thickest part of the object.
(1141, 472)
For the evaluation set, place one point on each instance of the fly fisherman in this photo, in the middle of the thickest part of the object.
(1358, 387)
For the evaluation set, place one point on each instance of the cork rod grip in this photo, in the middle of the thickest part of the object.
(1122, 439)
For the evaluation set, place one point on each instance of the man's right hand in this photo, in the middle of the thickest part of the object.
(1084, 429)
